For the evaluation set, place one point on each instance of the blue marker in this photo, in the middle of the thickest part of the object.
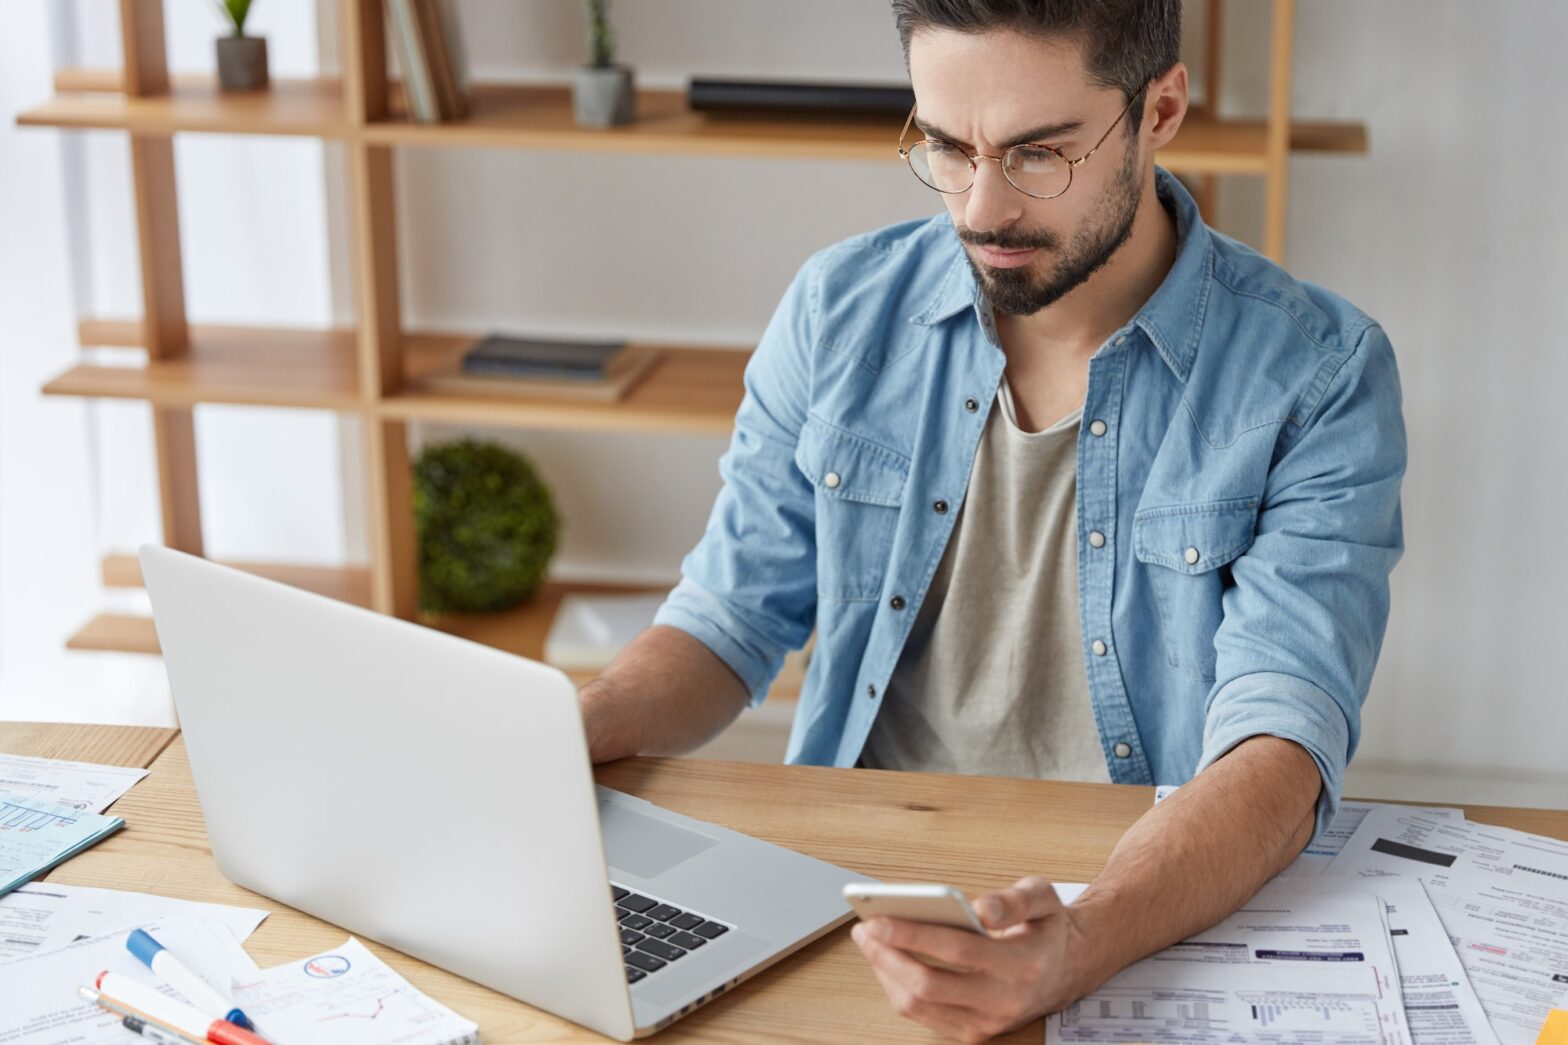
(198, 991)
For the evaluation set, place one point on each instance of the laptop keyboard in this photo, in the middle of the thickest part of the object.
(654, 933)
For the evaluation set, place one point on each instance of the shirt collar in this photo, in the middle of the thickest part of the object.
(1172, 317)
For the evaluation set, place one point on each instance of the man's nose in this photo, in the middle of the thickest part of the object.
(992, 201)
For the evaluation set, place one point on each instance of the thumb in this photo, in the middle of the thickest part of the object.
(1029, 900)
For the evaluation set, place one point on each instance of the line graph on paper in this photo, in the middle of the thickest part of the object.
(17, 817)
(394, 1005)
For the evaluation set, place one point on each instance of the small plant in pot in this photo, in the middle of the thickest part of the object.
(242, 60)
(602, 91)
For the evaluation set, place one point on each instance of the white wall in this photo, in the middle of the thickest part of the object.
(700, 248)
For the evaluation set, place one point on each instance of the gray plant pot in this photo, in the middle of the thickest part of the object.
(242, 63)
(602, 96)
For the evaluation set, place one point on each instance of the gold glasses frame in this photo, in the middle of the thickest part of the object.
(974, 166)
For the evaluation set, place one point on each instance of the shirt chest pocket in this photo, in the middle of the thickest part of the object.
(1188, 550)
(859, 492)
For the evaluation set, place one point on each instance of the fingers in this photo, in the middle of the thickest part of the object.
(948, 1002)
(1030, 899)
(960, 947)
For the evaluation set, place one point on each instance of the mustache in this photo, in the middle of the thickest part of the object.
(1010, 239)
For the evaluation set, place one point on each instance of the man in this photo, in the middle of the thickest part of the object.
(1069, 485)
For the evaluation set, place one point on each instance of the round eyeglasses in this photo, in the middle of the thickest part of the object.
(1040, 171)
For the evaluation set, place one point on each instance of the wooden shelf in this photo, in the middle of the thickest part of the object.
(690, 390)
(540, 117)
(308, 107)
(116, 633)
(253, 366)
(521, 630)
(344, 583)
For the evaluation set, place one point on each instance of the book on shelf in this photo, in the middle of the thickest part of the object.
(430, 50)
(541, 357)
(543, 369)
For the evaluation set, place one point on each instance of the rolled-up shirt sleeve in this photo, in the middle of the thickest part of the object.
(1304, 621)
(748, 590)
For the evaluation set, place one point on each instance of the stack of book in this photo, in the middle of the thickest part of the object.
(430, 50)
(551, 369)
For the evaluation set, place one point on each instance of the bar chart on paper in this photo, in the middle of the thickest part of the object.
(1289, 1011)
(1200, 1015)
(17, 816)
(36, 834)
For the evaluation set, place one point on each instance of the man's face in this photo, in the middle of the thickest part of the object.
(987, 91)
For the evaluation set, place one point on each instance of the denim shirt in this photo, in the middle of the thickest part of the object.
(1239, 463)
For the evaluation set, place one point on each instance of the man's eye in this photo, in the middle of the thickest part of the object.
(1025, 158)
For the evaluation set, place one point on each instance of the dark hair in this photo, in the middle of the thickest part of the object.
(1127, 42)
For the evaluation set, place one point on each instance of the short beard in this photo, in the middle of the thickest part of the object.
(1016, 292)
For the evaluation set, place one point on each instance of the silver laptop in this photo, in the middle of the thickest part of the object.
(436, 795)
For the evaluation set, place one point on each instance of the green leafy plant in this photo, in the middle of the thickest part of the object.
(485, 525)
(234, 12)
(601, 44)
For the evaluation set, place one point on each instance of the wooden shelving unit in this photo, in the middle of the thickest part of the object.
(513, 116)
(375, 370)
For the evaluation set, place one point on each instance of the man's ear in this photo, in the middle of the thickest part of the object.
(1165, 106)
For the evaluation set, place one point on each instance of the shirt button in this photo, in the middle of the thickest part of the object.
(940, 507)
(1097, 428)
(1122, 340)
(897, 602)
(871, 691)
(831, 480)
(1096, 539)
(1122, 750)
(1098, 647)
(971, 405)
(1191, 555)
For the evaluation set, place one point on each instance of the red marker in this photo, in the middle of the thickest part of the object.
(164, 1012)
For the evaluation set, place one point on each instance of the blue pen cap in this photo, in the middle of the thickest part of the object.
(240, 1020)
(143, 946)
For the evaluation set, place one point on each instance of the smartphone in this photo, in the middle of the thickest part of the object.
(930, 903)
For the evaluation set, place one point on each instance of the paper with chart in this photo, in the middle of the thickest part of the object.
(1320, 852)
(85, 786)
(36, 834)
(347, 996)
(1502, 896)
(43, 916)
(1295, 964)
(38, 1000)
(1440, 1005)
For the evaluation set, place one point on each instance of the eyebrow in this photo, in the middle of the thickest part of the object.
(1039, 134)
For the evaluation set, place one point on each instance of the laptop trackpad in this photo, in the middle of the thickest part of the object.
(643, 845)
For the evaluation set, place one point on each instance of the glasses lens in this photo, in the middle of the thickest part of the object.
(943, 167)
(1037, 171)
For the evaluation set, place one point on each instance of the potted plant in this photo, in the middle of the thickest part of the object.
(602, 92)
(485, 524)
(242, 60)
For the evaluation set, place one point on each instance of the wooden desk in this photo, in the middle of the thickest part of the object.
(977, 833)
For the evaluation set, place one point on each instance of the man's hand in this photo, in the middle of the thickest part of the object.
(1023, 970)
(1186, 864)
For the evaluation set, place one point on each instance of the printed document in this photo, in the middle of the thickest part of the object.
(84, 786)
(1440, 1005)
(1320, 852)
(38, 1000)
(348, 996)
(1297, 963)
(36, 834)
(1502, 896)
(44, 916)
